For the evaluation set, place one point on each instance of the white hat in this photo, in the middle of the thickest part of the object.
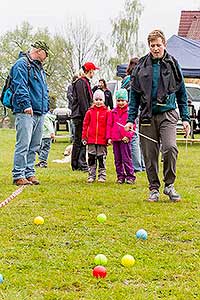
(99, 94)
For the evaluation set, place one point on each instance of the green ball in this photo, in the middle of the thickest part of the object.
(100, 260)
(101, 218)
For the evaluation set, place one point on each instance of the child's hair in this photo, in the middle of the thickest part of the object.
(99, 94)
(157, 33)
(121, 94)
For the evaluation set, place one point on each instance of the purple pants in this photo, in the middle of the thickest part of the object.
(123, 160)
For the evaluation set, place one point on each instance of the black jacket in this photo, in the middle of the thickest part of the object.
(82, 97)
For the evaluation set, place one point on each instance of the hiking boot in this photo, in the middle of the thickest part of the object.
(21, 181)
(153, 196)
(102, 180)
(120, 181)
(91, 180)
(33, 180)
(171, 192)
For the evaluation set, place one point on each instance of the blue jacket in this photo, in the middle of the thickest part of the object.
(29, 86)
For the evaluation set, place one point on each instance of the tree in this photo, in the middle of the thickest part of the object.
(58, 66)
(125, 29)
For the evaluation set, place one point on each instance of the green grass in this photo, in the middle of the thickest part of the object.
(55, 260)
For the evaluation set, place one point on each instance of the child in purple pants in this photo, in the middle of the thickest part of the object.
(121, 139)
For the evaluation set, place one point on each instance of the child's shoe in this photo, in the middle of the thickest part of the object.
(91, 180)
(101, 180)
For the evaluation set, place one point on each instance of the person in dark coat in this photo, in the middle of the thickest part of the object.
(108, 95)
(157, 87)
(82, 99)
(70, 101)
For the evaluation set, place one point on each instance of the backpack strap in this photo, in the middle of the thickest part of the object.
(88, 86)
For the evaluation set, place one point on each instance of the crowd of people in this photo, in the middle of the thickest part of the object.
(143, 119)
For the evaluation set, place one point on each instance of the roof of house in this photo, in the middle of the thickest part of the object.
(189, 25)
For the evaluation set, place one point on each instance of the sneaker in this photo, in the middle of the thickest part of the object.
(21, 181)
(171, 192)
(102, 180)
(33, 180)
(153, 196)
(91, 180)
(41, 164)
(130, 181)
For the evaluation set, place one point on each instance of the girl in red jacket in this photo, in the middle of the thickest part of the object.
(94, 134)
(121, 139)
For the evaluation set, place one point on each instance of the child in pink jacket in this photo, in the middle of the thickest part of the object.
(121, 139)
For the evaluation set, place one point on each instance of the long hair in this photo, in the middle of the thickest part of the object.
(132, 63)
(104, 82)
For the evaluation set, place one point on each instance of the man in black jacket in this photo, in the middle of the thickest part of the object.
(82, 99)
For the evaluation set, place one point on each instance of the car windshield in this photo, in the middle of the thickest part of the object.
(194, 93)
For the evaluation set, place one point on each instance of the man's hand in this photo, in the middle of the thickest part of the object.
(29, 111)
(128, 126)
(186, 128)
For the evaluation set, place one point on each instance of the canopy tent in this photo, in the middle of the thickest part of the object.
(186, 51)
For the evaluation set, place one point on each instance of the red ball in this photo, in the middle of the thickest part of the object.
(99, 272)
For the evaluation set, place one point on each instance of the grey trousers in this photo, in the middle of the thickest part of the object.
(163, 130)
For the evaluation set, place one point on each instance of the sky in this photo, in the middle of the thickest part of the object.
(98, 13)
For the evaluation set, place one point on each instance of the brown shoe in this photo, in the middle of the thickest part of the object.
(21, 181)
(33, 180)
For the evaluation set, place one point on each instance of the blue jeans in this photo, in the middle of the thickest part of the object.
(28, 138)
(44, 149)
(137, 156)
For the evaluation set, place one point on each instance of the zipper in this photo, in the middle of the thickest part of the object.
(97, 127)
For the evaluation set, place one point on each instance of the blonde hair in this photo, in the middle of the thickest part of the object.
(157, 33)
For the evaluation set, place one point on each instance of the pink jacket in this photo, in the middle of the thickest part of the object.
(116, 132)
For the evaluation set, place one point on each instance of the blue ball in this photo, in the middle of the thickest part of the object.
(1, 278)
(141, 234)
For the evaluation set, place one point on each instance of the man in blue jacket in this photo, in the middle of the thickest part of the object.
(156, 87)
(30, 103)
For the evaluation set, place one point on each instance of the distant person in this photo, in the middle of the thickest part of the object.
(48, 135)
(30, 104)
(70, 101)
(121, 139)
(157, 85)
(94, 135)
(108, 95)
(82, 99)
(137, 156)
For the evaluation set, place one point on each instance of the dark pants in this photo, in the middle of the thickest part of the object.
(123, 160)
(97, 153)
(78, 157)
(163, 130)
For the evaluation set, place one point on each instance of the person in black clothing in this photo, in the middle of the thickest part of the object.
(108, 95)
(70, 101)
(82, 99)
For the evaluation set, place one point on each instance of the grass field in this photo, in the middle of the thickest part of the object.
(54, 261)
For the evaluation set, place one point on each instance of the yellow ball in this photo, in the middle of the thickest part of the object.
(128, 260)
(38, 220)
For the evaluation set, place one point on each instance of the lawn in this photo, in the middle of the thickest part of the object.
(54, 261)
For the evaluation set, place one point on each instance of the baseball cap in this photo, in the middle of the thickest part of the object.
(41, 45)
(90, 66)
